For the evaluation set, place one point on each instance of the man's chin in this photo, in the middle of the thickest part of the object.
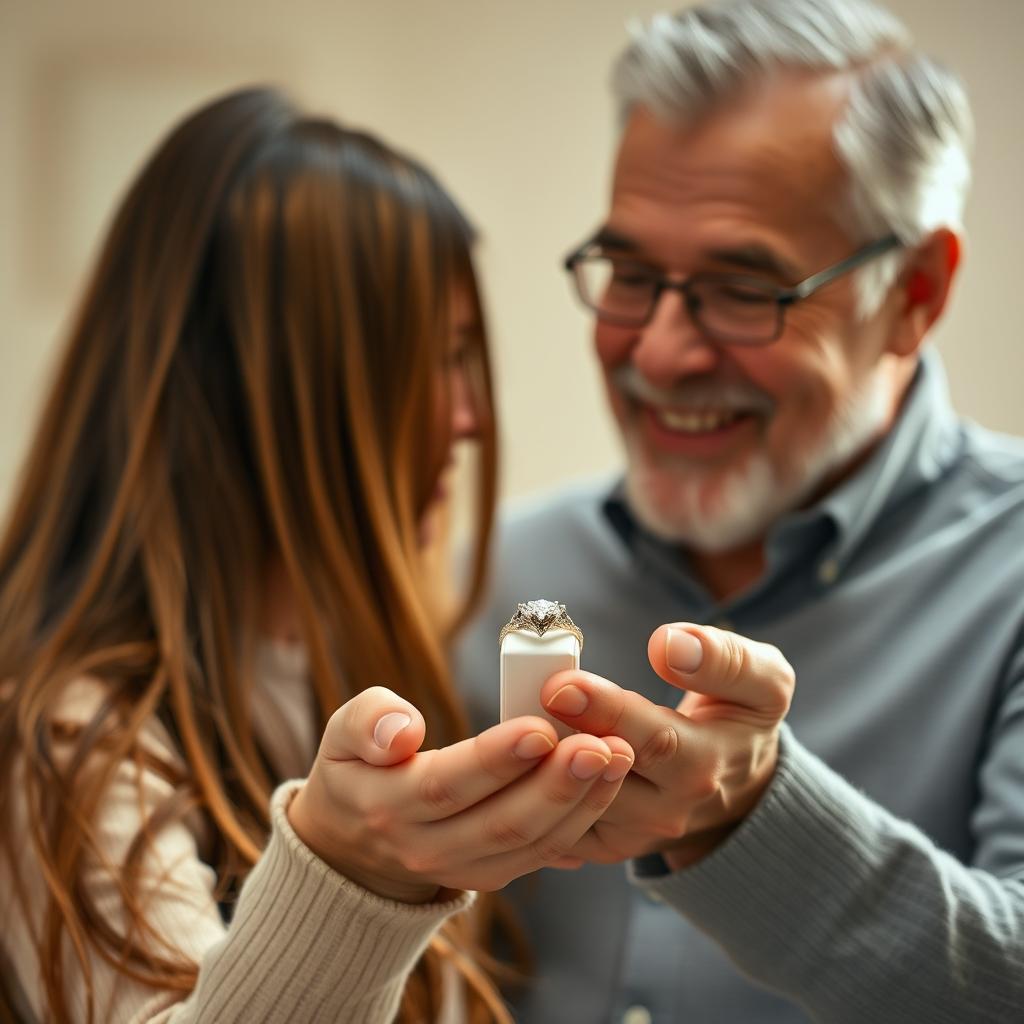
(710, 516)
(719, 510)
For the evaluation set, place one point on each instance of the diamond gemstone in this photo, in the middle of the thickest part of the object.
(544, 612)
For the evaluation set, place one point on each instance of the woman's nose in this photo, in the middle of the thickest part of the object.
(465, 416)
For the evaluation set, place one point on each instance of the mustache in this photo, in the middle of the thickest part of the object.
(693, 393)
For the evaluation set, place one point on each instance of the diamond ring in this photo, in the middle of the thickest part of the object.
(539, 617)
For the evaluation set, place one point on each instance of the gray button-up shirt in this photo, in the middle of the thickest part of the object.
(882, 877)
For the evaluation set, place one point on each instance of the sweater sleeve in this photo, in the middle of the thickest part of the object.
(829, 899)
(306, 944)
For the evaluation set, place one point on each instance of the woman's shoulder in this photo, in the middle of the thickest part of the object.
(125, 770)
(90, 708)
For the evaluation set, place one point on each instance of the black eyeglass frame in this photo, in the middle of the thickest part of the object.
(783, 297)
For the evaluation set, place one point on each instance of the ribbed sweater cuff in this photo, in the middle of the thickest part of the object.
(755, 894)
(308, 944)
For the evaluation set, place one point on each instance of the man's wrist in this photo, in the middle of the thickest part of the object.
(696, 846)
(693, 848)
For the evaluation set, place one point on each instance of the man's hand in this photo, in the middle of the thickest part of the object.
(701, 767)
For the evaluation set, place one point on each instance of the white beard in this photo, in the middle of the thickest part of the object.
(677, 504)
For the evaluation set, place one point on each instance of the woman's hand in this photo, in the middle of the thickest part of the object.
(403, 822)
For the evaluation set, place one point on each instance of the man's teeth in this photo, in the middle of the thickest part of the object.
(695, 422)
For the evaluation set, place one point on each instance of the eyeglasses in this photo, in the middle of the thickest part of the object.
(729, 308)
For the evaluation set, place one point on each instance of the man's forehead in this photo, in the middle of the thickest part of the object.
(772, 144)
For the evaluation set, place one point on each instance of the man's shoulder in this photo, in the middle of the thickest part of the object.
(976, 500)
(994, 460)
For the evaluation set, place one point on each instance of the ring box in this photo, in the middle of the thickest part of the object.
(527, 662)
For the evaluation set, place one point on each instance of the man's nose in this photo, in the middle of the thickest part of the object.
(671, 346)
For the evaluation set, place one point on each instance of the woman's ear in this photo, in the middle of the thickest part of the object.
(924, 288)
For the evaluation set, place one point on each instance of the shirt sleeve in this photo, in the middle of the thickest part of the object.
(827, 898)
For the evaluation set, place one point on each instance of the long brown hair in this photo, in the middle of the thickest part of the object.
(251, 374)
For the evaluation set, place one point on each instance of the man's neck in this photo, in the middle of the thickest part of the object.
(727, 573)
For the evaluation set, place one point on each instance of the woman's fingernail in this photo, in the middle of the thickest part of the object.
(683, 651)
(570, 700)
(532, 746)
(618, 768)
(585, 764)
(389, 727)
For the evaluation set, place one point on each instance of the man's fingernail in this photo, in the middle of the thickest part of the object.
(570, 700)
(683, 651)
(618, 768)
(585, 764)
(532, 746)
(388, 728)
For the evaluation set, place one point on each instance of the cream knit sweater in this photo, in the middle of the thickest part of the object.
(304, 944)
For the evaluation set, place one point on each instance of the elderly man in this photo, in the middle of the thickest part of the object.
(783, 233)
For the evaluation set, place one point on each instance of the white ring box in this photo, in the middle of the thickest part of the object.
(527, 662)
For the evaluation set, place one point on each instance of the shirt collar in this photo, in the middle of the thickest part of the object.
(922, 445)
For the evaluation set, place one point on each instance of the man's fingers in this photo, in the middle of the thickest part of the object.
(376, 726)
(595, 705)
(658, 735)
(723, 665)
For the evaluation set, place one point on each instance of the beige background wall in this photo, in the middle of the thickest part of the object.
(508, 101)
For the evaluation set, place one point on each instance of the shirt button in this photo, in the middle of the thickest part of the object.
(637, 1015)
(828, 571)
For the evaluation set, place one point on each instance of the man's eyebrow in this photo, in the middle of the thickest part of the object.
(752, 256)
(609, 238)
(755, 257)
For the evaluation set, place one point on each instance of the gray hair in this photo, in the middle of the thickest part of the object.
(907, 130)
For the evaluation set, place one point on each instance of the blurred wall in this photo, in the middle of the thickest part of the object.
(509, 102)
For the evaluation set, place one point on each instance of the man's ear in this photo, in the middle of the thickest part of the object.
(924, 288)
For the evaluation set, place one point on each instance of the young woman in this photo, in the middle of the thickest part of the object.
(218, 541)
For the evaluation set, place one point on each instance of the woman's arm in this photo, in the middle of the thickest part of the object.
(306, 942)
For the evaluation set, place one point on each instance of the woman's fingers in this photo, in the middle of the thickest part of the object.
(547, 833)
(448, 781)
(527, 811)
(559, 842)
(376, 726)
(473, 815)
